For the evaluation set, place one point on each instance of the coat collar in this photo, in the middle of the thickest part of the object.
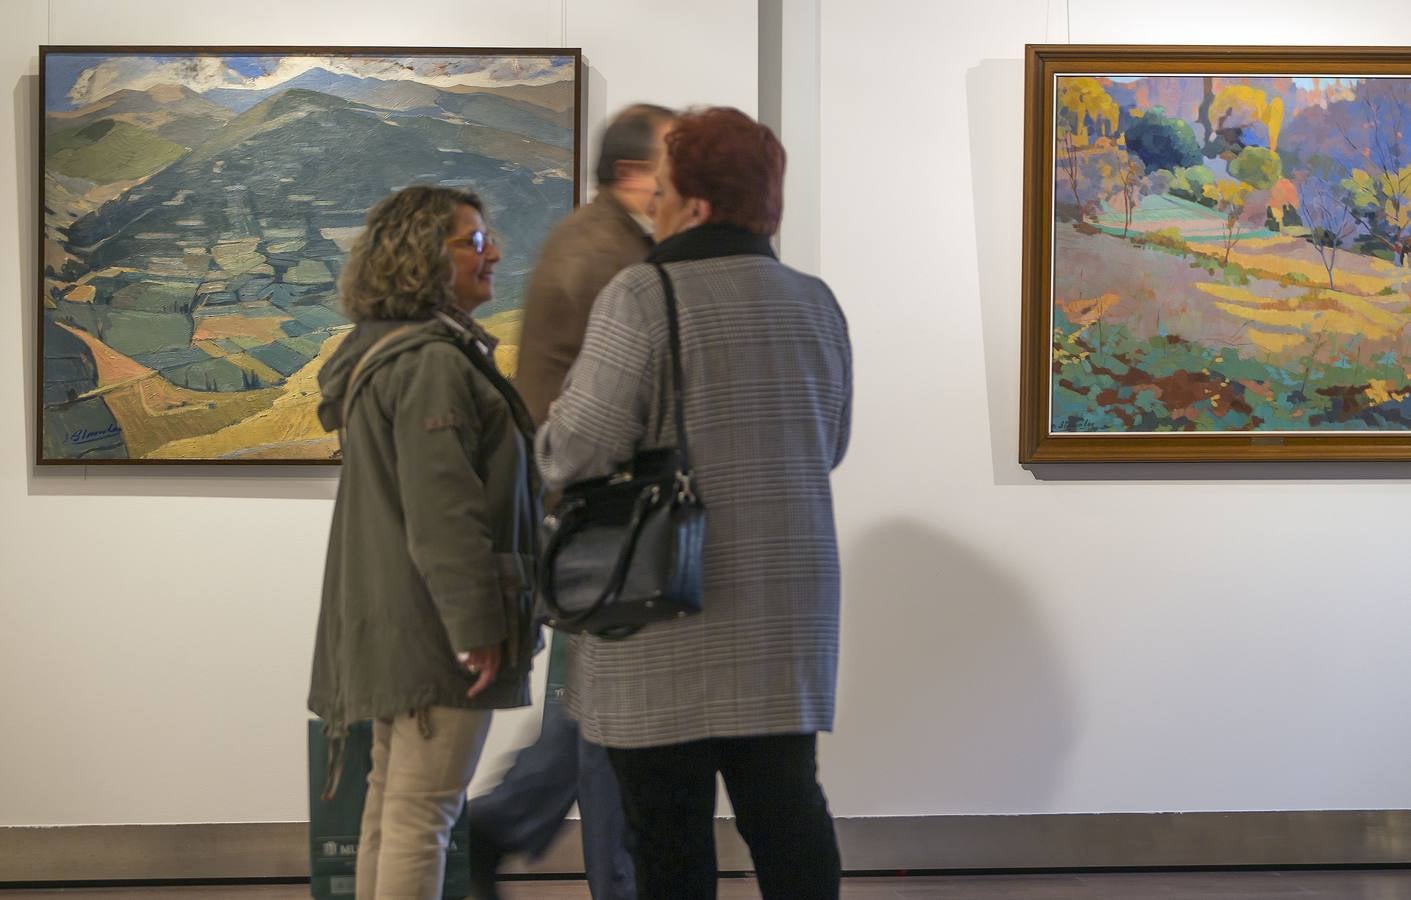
(709, 241)
(467, 328)
(608, 202)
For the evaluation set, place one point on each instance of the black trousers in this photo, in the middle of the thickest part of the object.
(668, 796)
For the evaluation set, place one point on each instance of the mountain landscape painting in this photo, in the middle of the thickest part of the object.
(196, 206)
(1229, 254)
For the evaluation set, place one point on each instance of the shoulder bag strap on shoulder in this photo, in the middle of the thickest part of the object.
(361, 366)
(677, 380)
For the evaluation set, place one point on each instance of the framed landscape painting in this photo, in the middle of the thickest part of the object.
(195, 206)
(1217, 254)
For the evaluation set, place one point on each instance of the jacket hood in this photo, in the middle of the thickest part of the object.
(335, 378)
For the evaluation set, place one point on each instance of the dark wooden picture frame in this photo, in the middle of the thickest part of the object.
(221, 214)
(1264, 301)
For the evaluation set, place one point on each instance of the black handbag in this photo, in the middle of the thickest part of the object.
(624, 550)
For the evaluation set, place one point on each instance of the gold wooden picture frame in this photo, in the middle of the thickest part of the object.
(1217, 254)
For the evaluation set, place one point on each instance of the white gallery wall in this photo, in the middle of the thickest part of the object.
(156, 625)
(1086, 640)
(1143, 638)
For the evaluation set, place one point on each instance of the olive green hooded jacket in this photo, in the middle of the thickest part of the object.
(431, 550)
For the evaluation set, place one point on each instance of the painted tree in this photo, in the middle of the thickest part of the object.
(1229, 196)
(1162, 142)
(1190, 183)
(1324, 209)
(1207, 100)
(1283, 202)
(1381, 202)
(1069, 162)
(1379, 194)
(1257, 167)
(1085, 111)
(1084, 107)
(1242, 116)
(1125, 176)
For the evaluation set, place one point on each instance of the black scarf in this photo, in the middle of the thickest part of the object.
(711, 240)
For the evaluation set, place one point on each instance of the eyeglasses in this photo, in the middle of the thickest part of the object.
(477, 240)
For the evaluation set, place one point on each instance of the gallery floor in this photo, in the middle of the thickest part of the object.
(1303, 884)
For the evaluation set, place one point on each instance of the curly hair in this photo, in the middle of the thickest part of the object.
(722, 155)
(399, 267)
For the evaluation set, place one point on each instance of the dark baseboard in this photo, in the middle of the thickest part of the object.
(279, 850)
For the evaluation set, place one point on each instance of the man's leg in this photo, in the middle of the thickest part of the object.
(525, 811)
(605, 842)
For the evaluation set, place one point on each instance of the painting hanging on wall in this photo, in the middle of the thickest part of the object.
(1217, 254)
(196, 205)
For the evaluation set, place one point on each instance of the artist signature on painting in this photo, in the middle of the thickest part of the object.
(84, 436)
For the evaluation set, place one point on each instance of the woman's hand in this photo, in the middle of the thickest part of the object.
(483, 662)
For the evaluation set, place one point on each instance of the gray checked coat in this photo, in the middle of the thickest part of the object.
(768, 388)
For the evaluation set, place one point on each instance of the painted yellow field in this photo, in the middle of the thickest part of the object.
(1086, 310)
(507, 359)
(163, 421)
(285, 427)
(1320, 311)
(1286, 318)
(109, 272)
(506, 327)
(342, 238)
(1279, 257)
(255, 367)
(243, 360)
(1232, 293)
(265, 328)
(1275, 342)
(153, 412)
(1386, 312)
(210, 348)
(309, 271)
(238, 256)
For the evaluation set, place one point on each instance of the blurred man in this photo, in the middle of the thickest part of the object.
(580, 256)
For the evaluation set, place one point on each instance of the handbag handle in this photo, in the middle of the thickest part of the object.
(683, 450)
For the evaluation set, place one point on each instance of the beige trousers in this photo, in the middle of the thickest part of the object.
(414, 795)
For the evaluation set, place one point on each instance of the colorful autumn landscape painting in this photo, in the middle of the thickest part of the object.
(195, 212)
(1230, 254)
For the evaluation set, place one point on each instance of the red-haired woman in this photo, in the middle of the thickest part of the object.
(742, 689)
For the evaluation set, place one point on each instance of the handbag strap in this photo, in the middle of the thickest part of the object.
(358, 369)
(673, 326)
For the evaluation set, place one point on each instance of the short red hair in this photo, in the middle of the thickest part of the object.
(722, 156)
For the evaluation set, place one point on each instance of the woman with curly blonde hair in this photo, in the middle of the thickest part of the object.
(426, 621)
